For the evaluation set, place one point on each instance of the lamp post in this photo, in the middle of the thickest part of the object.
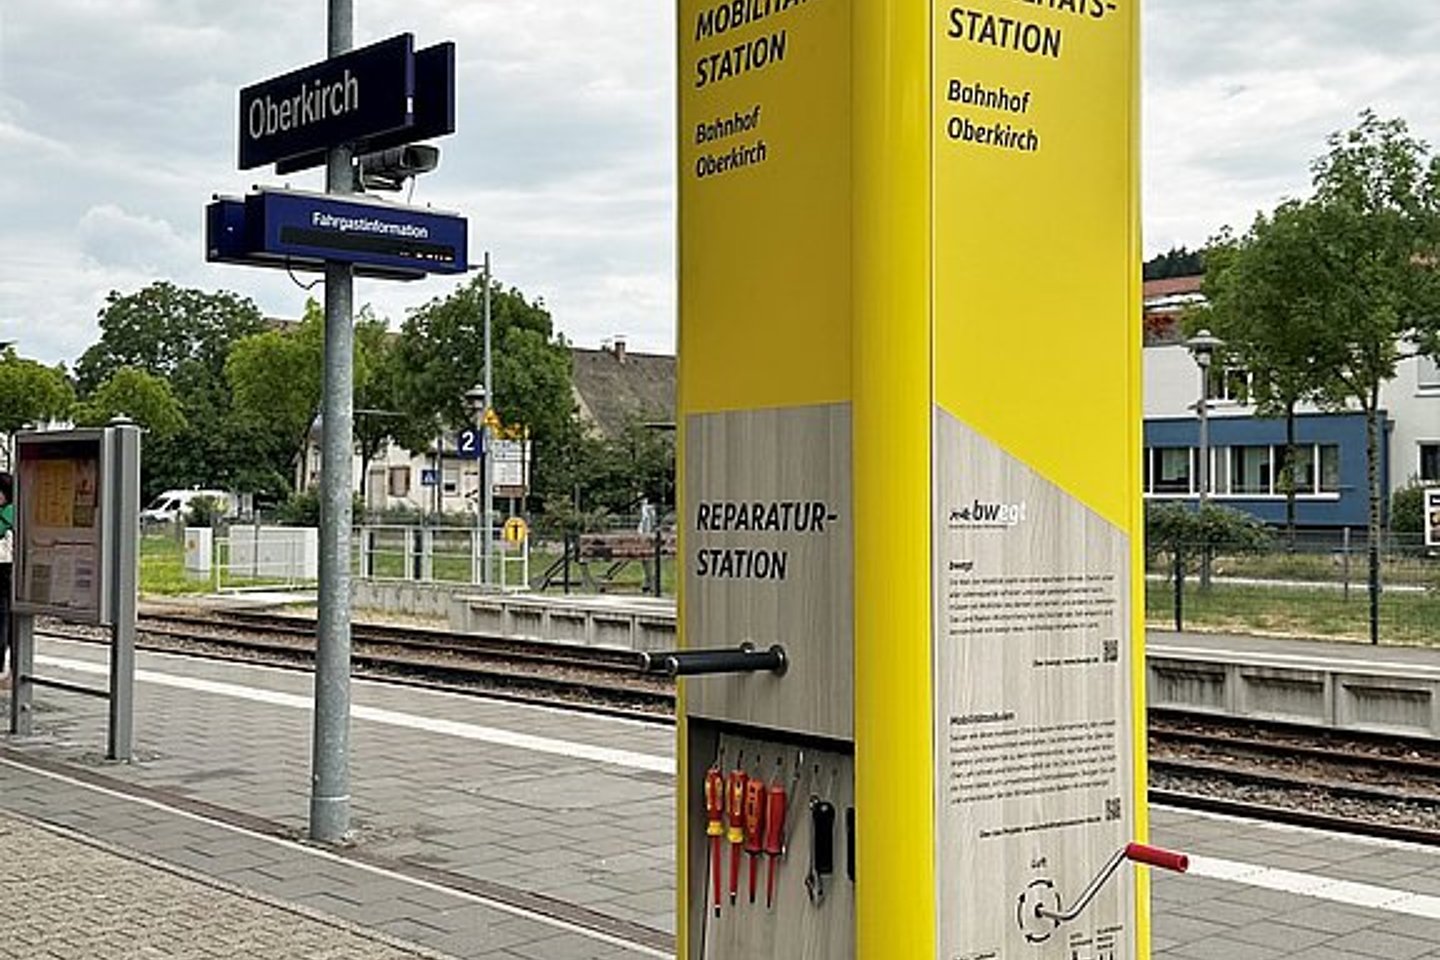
(1202, 347)
(478, 397)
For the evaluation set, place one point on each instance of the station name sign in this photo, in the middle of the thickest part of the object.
(299, 230)
(366, 93)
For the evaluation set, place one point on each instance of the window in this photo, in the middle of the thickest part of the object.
(399, 481)
(1329, 468)
(1430, 462)
(1230, 384)
(1427, 373)
(1172, 469)
(1249, 470)
(1304, 472)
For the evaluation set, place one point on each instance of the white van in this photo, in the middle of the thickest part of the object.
(174, 505)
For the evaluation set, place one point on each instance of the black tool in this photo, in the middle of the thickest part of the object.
(822, 848)
(850, 843)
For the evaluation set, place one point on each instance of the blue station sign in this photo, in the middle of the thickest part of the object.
(298, 230)
(365, 93)
(433, 116)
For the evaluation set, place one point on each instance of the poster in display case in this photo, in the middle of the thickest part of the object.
(62, 562)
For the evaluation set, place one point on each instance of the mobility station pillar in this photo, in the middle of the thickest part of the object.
(909, 406)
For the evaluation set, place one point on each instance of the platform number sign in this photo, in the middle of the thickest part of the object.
(1432, 517)
(471, 443)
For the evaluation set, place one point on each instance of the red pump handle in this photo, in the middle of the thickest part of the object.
(1156, 857)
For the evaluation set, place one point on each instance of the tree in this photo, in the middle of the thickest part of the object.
(163, 327)
(1176, 262)
(30, 392)
(183, 336)
(638, 463)
(141, 396)
(1263, 303)
(1376, 248)
(275, 378)
(1349, 279)
(442, 356)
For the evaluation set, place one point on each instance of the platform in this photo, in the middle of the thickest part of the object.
(494, 830)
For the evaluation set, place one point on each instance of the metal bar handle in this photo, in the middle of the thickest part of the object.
(742, 659)
(1157, 857)
(1139, 853)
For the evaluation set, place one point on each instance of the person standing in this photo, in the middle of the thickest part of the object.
(7, 558)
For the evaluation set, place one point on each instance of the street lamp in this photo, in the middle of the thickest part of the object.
(477, 397)
(1202, 347)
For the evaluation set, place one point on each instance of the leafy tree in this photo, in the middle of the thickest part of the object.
(636, 464)
(30, 392)
(275, 379)
(1376, 248)
(1363, 287)
(163, 327)
(141, 396)
(1176, 262)
(183, 336)
(1263, 305)
(442, 356)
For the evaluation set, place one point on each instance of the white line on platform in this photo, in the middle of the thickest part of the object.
(291, 845)
(394, 718)
(1322, 888)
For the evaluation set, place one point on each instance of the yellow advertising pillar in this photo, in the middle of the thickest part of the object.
(909, 457)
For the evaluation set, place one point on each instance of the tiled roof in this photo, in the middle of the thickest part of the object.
(1172, 286)
(615, 384)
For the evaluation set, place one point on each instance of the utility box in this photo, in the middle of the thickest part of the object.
(909, 413)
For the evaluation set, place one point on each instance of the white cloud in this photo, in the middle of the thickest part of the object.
(117, 124)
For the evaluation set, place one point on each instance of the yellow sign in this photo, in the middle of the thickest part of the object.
(492, 419)
(764, 182)
(514, 530)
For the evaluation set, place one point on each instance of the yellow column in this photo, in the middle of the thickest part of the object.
(892, 395)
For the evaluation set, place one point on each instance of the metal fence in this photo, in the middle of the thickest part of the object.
(1316, 587)
(440, 554)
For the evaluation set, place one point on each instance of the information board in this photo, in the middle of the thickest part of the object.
(1036, 638)
(60, 529)
(1432, 517)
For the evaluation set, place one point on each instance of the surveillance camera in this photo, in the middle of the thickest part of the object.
(389, 169)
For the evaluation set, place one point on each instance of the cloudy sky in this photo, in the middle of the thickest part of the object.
(117, 124)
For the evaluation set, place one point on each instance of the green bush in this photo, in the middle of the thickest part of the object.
(1407, 509)
(205, 512)
(1177, 529)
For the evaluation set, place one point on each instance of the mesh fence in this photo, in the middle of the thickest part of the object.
(1319, 586)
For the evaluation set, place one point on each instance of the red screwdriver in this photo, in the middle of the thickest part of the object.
(774, 846)
(715, 828)
(754, 819)
(735, 809)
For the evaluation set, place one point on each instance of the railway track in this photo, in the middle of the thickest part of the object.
(1364, 784)
(1341, 781)
(595, 679)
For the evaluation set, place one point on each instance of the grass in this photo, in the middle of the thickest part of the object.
(162, 568)
(1320, 568)
(1405, 618)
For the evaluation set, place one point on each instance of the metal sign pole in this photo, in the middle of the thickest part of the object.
(330, 790)
(22, 669)
(124, 481)
(488, 472)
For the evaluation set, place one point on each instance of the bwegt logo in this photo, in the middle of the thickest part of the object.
(982, 513)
